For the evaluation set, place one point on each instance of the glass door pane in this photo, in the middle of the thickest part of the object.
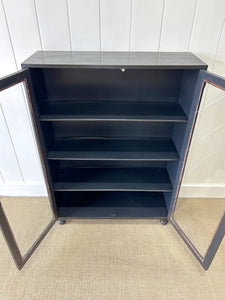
(24, 200)
(200, 204)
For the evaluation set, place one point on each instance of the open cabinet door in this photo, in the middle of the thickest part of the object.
(198, 210)
(19, 84)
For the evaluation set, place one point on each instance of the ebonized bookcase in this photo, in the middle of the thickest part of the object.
(112, 125)
(113, 130)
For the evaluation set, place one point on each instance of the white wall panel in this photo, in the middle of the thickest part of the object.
(54, 25)
(7, 61)
(207, 29)
(120, 25)
(19, 189)
(84, 24)
(1, 179)
(219, 63)
(25, 38)
(23, 28)
(18, 123)
(115, 25)
(10, 169)
(177, 25)
(146, 24)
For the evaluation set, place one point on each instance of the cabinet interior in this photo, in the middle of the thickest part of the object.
(113, 138)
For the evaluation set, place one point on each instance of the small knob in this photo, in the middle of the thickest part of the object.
(123, 70)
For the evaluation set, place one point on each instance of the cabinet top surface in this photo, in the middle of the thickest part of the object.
(94, 59)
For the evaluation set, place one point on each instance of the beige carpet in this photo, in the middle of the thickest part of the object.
(104, 259)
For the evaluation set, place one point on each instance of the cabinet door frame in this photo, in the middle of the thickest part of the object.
(6, 82)
(204, 77)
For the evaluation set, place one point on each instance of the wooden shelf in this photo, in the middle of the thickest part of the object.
(111, 205)
(112, 111)
(113, 149)
(112, 179)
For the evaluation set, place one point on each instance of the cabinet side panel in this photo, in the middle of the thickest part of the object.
(188, 101)
(34, 97)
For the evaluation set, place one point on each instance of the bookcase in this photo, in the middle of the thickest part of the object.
(113, 130)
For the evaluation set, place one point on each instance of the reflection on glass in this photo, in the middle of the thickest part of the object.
(201, 199)
(21, 171)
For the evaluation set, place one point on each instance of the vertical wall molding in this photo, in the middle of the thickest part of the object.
(100, 26)
(35, 6)
(161, 26)
(68, 16)
(218, 46)
(192, 27)
(131, 21)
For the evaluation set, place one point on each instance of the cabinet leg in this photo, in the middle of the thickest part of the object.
(61, 221)
(164, 221)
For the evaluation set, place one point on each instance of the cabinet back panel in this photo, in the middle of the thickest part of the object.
(39, 86)
(133, 84)
(112, 129)
(111, 205)
(106, 164)
(119, 199)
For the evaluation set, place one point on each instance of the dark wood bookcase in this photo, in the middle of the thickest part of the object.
(113, 130)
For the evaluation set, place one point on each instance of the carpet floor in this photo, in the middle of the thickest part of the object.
(105, 259)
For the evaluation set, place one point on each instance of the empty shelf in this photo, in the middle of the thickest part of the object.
(114, 149)
(111, 205)
(112, 111)
(112, 179)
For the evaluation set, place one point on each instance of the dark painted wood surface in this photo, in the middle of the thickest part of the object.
(92, 59)
(132, 129)
(113, 149)
(113, 169)
(111, 110)
(6, 82)
(111, 205)
(111, 179)
(177, 172)
(63, 84)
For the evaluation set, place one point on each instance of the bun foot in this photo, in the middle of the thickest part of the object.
(164, 221)
(61, 222)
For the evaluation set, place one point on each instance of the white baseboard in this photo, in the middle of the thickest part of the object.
(34, 189)
(200, 191)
